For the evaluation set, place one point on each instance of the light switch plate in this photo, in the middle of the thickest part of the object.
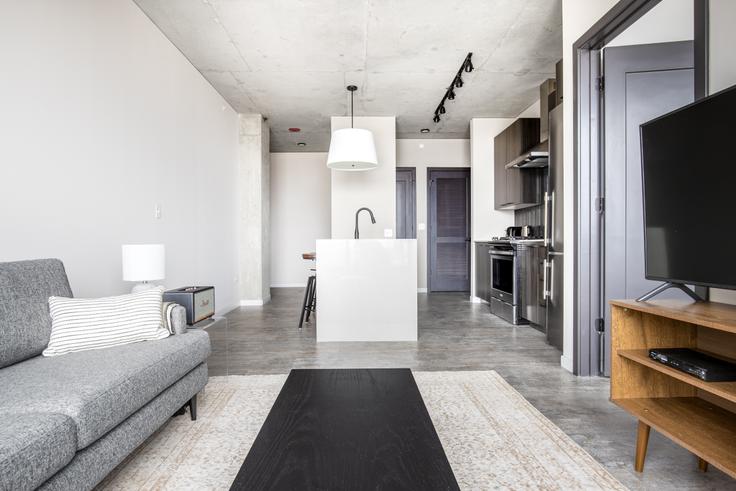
(388, 233)
(157, 211)
(421, 226)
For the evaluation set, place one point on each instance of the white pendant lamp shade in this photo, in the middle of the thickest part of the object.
(352, 149)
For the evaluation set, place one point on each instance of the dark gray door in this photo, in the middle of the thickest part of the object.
(641, 83)
(406, 208)
(449, 230)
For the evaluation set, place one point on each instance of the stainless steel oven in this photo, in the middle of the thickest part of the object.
(505, 281)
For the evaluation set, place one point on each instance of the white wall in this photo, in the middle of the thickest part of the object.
(577, 17)
(486, 222)
(722, 42)
(300, 213)
(102, 117)
(375, 188)
(669, 20)
(423, 154)
(722, 75)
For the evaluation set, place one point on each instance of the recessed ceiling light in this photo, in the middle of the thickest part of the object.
(301, 144)
(294, 130)
(424, 130)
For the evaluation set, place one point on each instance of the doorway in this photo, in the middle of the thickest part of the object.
(406, 203)
(642, 82)
(588, 340)
(448, 234)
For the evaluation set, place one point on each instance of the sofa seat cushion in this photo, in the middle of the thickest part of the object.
(99, 389)
(33, 447)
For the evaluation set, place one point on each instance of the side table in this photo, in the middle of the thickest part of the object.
(216, 321)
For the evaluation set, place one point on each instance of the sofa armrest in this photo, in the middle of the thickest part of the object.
(179, 320)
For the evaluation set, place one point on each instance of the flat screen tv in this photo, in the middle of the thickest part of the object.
(689, 185)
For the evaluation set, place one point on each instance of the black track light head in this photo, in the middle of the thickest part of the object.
(451, 95)
(443, 110)
(459, 82)
(436, 118)
(469, 66)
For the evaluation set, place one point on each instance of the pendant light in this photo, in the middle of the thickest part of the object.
(352, 149)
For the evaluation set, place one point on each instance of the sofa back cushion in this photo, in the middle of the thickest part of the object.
(25, 324)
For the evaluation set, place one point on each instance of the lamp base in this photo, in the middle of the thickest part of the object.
(141, 287)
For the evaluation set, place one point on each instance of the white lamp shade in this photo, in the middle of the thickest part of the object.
(352, 149)
(144, 262)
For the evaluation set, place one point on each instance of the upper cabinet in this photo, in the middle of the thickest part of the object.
(516, 188)
(499, 171)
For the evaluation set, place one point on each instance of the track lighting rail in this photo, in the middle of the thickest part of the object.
(457, 82)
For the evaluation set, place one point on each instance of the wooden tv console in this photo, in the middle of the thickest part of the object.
(700, 416)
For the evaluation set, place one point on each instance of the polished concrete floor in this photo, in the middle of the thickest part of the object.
(455, 334)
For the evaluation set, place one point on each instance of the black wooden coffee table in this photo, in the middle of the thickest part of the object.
(347, 430)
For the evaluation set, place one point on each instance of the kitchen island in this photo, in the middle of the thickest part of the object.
(367, 290)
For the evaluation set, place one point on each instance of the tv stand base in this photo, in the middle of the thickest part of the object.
(667, 286)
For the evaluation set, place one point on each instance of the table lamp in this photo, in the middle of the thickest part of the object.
(143, 263)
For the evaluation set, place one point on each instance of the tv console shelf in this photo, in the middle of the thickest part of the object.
(700, 416)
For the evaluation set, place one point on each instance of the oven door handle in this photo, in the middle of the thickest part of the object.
(502, 253)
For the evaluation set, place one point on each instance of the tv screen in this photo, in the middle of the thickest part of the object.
(689, 184)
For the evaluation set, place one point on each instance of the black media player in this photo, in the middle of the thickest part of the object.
(697, 364)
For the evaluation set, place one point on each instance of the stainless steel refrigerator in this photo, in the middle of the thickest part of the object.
(553, 231)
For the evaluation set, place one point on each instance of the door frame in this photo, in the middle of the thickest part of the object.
(588, 199)
(413, 199)
(429, 219)
(665, 59)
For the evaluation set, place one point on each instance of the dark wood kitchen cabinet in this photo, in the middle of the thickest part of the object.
(515, 188)
(483, 271)
(533, 300)
(499, 171)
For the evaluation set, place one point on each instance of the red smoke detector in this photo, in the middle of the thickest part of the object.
(294, 130)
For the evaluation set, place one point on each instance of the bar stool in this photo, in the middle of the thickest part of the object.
(309, 304)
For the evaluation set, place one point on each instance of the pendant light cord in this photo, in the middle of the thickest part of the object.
(352, 89)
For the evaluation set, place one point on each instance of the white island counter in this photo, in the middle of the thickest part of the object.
(367, 290)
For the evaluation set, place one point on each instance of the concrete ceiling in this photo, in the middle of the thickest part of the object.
(291, 60)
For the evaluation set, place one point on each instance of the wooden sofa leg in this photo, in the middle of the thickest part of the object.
(193, 407)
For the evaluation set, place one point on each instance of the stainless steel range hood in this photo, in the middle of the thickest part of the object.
(536, 157)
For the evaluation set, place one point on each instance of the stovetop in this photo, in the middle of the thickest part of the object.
(518, 240)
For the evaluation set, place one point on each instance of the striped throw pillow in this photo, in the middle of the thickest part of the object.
(79, 324)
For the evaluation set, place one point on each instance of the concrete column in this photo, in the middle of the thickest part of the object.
(254, 174)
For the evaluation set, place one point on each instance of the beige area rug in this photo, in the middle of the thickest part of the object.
(493, 437)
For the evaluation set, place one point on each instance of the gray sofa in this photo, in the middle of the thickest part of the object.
(67, 421)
